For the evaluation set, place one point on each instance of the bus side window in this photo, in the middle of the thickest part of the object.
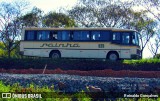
(29, 35)
(53, 35)
(63, 35)
(125, 38)
(81, 35)
(105, 35)
(95, 35)
(116, 36)
(43, 35)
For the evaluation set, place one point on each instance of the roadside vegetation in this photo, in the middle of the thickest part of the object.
(80, 64)
(49, 94)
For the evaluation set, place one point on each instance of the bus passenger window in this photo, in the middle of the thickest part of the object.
(125, 38)
(54, 36)
(63, 35)
(95, 35)
(133, 39)
(116, 36)
(105, 35)
(29, 35)
(81, 35)
(42, 35)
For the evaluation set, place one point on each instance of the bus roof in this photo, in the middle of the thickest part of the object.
(76, 28)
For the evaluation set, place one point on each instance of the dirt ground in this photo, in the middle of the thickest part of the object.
(101, 73)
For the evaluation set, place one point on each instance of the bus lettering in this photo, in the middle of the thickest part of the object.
(59, 45)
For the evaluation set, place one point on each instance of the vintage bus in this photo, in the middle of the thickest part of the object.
(108, 43)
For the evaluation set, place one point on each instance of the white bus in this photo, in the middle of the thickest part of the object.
(105, 43)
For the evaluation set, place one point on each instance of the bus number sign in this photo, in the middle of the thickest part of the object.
(100, 45)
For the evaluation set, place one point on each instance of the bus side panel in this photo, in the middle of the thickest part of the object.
(28, 52)
(67, 53)
(125, 53)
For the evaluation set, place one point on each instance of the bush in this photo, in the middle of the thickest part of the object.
(157, 56)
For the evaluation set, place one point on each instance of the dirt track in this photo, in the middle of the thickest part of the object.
(101, 73)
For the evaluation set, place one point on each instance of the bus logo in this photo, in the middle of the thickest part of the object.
(59, 45)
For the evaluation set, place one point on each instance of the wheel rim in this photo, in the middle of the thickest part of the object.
(55, 56)
(113, 57)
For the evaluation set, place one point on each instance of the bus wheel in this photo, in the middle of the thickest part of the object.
(55, 55)
(112, 56)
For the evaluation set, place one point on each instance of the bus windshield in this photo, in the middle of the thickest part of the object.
(135, 38)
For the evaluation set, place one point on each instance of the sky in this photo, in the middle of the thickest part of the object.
(52, 5)
(55, 5)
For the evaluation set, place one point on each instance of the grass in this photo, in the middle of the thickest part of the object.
(49, 94)
(142, 61)
(55, 96)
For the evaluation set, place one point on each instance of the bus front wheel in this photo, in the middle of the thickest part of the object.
(55, 55)
(112, 56)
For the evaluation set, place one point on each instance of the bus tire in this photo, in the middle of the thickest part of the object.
(113, 56)
(55, 55)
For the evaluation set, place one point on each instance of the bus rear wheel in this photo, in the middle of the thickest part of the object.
(55, 55)
(112, 56)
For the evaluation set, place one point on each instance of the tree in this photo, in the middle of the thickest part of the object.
(143, 24)
(33, 18)
(100, 13)
(154, 45)
(152, 6)
(10, 24)
(53, 19)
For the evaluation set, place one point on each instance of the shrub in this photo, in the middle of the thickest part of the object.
(157, 56)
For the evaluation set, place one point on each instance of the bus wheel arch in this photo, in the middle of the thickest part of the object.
(112, 55)
(55, 54)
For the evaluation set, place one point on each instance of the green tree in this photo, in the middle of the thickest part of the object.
(143, 24)
(100, 13)
(152, 6)
(154, 45)
(10, 24)
(33, 18)
(53, 19)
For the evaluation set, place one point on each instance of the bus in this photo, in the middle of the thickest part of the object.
(105, 43)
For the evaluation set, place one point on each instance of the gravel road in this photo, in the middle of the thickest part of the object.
(75, 83)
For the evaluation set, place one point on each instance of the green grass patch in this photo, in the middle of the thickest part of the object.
(142, 61)
(48, 94)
